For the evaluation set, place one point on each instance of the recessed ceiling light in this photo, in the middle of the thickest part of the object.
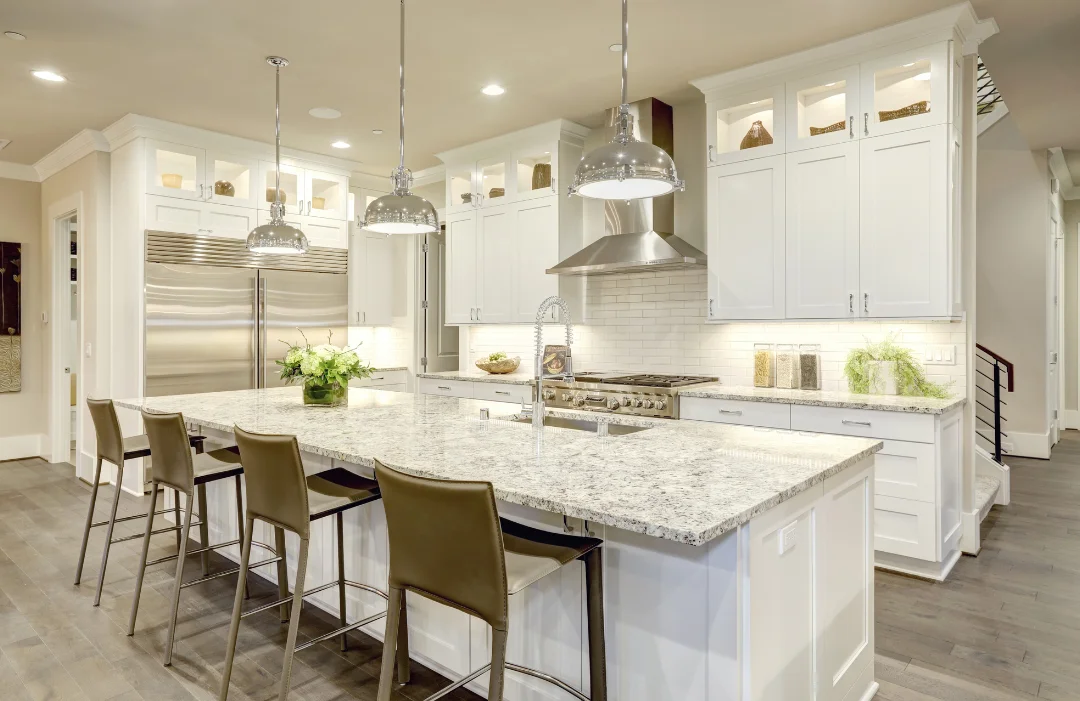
(341, 144)
(15, 35)
(324, 113)
(377, 132)
(493, 89)
(923, 76)
(615, 48)
(49, 76)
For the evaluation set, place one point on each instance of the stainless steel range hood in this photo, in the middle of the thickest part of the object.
(639, 234)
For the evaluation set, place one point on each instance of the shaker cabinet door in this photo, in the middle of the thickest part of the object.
(461, 282)
(495, 298)
(746, 240)
(823, 232)
(536, 233)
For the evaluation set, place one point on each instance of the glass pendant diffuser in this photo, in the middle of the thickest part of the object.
(401, 212)
(625, 169)
(277, 236)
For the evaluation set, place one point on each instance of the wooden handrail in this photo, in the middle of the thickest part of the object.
(1009, 367)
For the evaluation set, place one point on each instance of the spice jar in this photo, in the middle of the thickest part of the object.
(810, 366)
(787, 367)
(763, 365)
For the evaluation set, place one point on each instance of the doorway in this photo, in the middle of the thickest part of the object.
(66, 337)
(437, 344)
(1056, 317)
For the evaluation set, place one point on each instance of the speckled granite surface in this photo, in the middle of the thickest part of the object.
(681, 481)
(390, 369)
(511, 378)
(841, 400)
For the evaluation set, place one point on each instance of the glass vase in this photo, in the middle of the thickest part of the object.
(325, 395)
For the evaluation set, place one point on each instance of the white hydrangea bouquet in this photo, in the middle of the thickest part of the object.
(325, 371)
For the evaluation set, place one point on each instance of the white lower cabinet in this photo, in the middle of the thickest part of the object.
(487, 391)
(917, 472)
(388, 380)
(446, 388)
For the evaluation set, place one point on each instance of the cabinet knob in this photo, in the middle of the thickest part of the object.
(851, 126)
(710, 153)
(866, 302)
(866, 123)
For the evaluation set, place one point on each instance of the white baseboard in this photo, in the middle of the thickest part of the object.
(985, 465)
(1027, 445)
(1071, 418)
(17, 447)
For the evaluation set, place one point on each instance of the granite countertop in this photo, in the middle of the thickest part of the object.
(403, 367)
(511, 378)
(840, 400)
(682, 481)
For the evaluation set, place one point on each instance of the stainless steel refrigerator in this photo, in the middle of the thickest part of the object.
(218, 317)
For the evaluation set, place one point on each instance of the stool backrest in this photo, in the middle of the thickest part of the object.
(170, 450)
(446, 542)
(110, 441)
(274, 474)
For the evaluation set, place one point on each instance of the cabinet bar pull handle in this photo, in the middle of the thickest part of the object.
(478, 314)
(446, 388)
(851, 302)
(501, 392)
(848, 422)
(378, 378)
(866, 123)
(851, 126)
(710, 153)
(553, 188)
(472, 314)
(201, 195)
(730, 412)
(866, 302)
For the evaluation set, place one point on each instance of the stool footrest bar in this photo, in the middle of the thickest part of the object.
(167, 558)
(226, 573)
(159, 531)
(458, 684)
(309, 592)
(97, 524)
(339, 631)
(547, 678)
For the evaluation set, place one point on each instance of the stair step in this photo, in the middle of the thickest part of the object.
(986, 489)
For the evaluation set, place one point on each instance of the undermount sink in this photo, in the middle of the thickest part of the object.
(584, 425)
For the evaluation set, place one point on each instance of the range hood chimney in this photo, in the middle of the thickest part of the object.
(639, 234)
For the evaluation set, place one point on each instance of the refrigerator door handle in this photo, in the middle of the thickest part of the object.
(262, 331)
(255, 354)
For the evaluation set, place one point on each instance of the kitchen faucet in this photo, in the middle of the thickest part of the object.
(538, 410)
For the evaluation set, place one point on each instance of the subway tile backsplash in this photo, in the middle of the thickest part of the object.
(656, 322)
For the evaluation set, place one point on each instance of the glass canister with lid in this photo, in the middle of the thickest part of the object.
(810, 366)
(787, 367)
(764, 365)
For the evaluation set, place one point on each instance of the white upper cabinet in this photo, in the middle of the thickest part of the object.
(327, 195)
(177, 171)
(745, 126)
(319, 232)
(493, 182)
(908, 90)
(745, 239)
(536, 172)
(231, 180)
(904, 237)
(461, 280)
(495, 298)
(537, 249)
(371, 278)
(821, 110)
(823, 232)
(292, 185)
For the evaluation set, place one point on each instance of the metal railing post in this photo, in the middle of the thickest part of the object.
(997, 411)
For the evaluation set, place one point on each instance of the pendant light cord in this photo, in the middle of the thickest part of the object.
(277, 133)
(625, 49)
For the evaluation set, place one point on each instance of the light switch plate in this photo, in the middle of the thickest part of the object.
(940, 355)
(786, 539)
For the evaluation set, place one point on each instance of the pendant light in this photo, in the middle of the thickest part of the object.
(625, 169)
(401, 212)
(277, 236)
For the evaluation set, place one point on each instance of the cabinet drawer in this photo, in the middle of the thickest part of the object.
(733, 411)
(391, 377)
(905, 527)
(502, 393)
(446, 388)
(867, 423)
(905, 470)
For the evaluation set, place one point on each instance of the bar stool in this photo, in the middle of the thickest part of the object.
(280, 495)
(175, 467)
(115, 448)
(448, 544)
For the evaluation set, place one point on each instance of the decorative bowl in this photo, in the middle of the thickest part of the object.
(224, 188)
(172, 180)
(499, 367)
(270, 195)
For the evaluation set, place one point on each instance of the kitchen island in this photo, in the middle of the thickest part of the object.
(738, 561)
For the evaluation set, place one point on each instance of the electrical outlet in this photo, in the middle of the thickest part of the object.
(786, 538)
(940, 355)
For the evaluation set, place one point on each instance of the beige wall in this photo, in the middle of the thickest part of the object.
(1013, 214)
(90, 177)
(1072, 304)
(23, 413)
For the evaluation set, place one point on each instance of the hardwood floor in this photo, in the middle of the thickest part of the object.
(1006, 625)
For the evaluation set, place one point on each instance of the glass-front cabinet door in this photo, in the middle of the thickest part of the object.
(535, 171)
(746, 126)
(492, 181)
(460, 190)
(231, 179)
(906, 91)
(175, 171)
(293, 191)
(821, 110)
(326, 195)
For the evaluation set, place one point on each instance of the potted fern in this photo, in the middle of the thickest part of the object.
(888, 368)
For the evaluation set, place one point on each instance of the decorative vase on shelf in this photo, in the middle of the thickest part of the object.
(224, 188)
(757, 135)
(325, 395)
(541, 176)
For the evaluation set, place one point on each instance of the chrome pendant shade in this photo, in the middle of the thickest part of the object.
(401, 212)
(625, 169)
(277, 237)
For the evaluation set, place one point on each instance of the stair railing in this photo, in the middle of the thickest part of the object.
(999, 371)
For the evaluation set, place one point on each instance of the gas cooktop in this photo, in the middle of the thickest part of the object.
(639, 394)
(642, 379)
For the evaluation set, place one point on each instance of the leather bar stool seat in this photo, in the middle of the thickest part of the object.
(338, 489)
(532, 554)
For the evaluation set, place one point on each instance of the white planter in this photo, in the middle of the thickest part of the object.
(883, 377)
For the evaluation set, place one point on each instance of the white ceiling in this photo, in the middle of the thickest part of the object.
(200, 62)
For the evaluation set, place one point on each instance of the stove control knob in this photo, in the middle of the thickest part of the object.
(613, 403)
(548, 393)
(579, 401)
(660, 404)
(637, 402)
(648, 404)
(566, 396)
(625, 401)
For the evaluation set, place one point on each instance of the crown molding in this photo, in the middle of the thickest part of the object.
(1060, 169)
(18, 171)
(428, 176)
(77, 147)
(547, 132)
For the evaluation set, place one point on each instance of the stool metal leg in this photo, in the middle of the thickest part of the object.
(404, 673)
(109, 534)
(176, 516)
(282, 571)
(240, 520)
(89, 521)
(594, 587)
(185, 537)
(341, 578)
(204, 529)
(294, 620)
(498, 665)
(390, 643)
(238, 606)
(142, 560)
